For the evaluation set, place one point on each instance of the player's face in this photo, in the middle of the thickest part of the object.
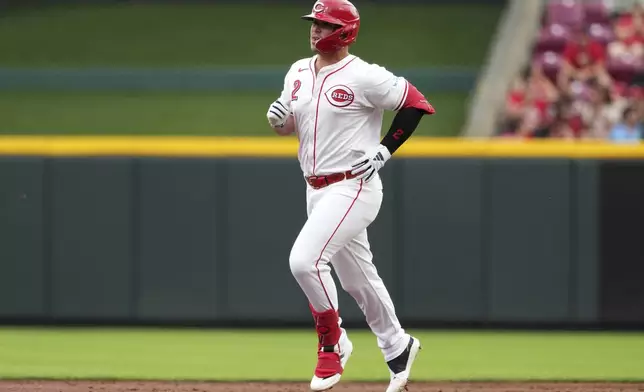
(320, 30)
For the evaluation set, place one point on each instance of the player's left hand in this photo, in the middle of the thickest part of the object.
(372, 161)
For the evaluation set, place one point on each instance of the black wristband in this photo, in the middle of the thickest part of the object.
(402, 126)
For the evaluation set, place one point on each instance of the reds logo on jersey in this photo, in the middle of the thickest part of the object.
(340, 96)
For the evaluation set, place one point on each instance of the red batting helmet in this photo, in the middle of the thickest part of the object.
(340, 13)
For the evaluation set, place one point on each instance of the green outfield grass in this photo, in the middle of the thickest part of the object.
(250, 35)
(189, 113)
(200, 35)
(290, 355)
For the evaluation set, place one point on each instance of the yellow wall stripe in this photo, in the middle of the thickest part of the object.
(197, 146)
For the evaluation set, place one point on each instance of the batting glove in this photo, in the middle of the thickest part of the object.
(277, 114)
(372, 161)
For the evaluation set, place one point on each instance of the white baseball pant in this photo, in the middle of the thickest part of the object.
(335, 233)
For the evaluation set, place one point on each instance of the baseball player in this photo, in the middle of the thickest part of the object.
(334, 103)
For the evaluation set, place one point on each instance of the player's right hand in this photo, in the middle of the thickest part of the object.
(277, 114)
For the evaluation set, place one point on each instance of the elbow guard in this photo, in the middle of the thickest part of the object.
(415, 99)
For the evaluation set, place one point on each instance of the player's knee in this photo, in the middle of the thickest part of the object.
(302, 263)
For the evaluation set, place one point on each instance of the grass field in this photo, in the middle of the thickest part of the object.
(224, 35)
(246, 355)
(189, 113)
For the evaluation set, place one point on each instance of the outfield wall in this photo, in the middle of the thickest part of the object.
(191, 230)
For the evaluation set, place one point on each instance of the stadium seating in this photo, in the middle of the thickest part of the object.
(563, 24)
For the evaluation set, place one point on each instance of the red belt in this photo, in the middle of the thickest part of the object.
(318, 182)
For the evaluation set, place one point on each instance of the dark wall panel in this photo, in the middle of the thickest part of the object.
(266, 209)
(91, 250)
(622, 241)
(585, 279)
(177, 238)
(440, 213)
(528, 235)
(22, 248)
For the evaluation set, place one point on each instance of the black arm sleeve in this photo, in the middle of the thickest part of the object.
(402, 126)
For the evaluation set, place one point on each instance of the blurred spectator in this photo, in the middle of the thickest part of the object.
(629, 130)
(569, 122)
(528, 104)
(629, 31)
(600, 109)
(583, 58)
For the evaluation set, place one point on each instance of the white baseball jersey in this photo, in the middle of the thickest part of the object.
(338, 112)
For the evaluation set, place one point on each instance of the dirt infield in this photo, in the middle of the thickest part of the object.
(109, 386)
